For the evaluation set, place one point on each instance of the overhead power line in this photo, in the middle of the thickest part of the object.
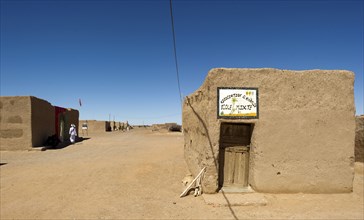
(152, 117)
(175, 51)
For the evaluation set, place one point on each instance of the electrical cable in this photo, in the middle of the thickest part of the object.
(175, 51)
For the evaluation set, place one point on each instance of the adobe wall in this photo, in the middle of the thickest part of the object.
(94, 126)
(15, 121)
(27, 122)
(42, 121)
(302, 141)
(359, 139)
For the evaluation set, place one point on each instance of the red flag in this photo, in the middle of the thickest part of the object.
(79, 101)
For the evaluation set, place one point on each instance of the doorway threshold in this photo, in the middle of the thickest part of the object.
(236, 189)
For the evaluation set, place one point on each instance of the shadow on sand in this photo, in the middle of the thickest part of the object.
(65, 144)
(212, 153)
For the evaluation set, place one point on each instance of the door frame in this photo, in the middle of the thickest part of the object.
(222, 152)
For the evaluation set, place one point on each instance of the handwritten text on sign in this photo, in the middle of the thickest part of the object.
(237, 102)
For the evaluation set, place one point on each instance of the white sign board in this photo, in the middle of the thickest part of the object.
(237, 102)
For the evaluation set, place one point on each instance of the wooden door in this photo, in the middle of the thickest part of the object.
(234, 154)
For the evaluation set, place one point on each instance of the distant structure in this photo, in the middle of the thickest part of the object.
(84, 127)
(166, 127)
(27, 122)
(272, 131)
(94, 126)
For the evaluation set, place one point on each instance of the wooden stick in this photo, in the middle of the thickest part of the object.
(193, 181)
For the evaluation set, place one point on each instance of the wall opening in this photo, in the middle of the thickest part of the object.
(62, 129)
(235, 140)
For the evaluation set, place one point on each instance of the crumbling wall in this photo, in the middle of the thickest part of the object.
(359, 139)
(42, 121)
(303, 139)
(15, 121)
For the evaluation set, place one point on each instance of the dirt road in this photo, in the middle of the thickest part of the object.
(137, 175)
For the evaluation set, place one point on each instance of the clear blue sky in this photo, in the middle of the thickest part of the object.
(117, 56)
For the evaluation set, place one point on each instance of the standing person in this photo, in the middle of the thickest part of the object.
(73, 133)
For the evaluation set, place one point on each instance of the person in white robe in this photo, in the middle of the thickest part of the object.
(73, 133)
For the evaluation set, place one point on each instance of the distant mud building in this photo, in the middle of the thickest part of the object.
(27, 122)
(273, 131)
(94, 126)
(91, 127)
(166, 127)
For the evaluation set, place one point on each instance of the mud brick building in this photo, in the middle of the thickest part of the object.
(94, 126)
(27, 122)
(272, 130)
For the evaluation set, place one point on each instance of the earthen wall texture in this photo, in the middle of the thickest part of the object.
(359, 139)
(27, 122)
(94, 126)
(303, 140)
(15, 121)
(42, 121)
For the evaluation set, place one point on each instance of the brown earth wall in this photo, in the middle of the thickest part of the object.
(302, 141)
(27, 122)
(94, 126)
(15, 121)
(359, 139)
(42, 121)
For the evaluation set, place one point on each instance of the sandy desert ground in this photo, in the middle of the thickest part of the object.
(137, 175)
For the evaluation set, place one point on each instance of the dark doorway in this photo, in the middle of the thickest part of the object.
(234, 154)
